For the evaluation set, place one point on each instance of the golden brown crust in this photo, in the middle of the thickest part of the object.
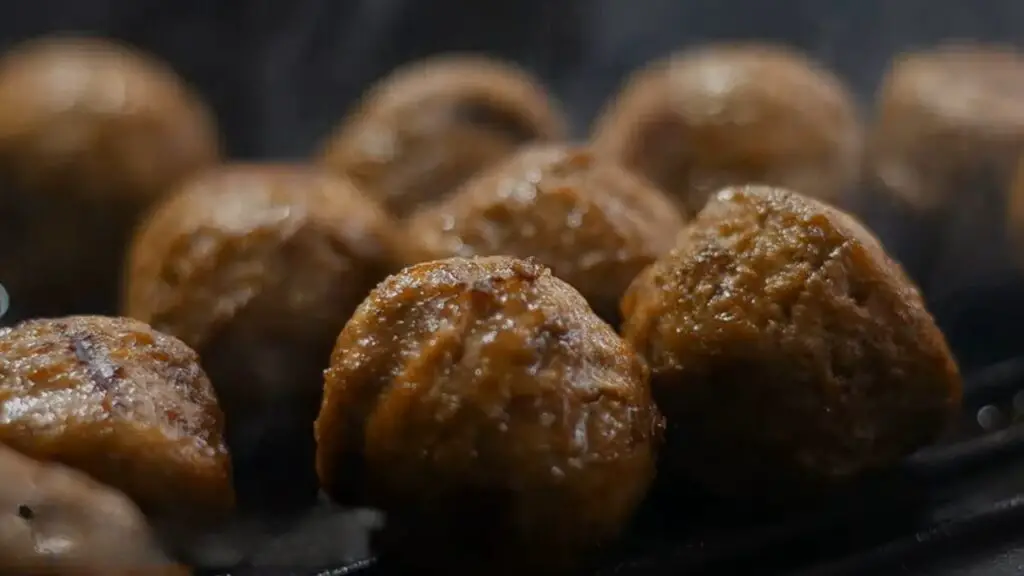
(592, 222)
(948, 120)
(734, 114)
(91, 132)
(95, 530)
(483, 397)
(430, 125)
(126, 404)
(787, 349)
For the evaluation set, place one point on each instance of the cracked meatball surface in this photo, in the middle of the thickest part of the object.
(787, 350)
(431, 125)
(92, 132)
(734, 114)
(592, 222)
(483, 405)
(258, 268)
(56, 521)
(126, 404)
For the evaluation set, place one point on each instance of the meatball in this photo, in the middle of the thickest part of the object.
(60, 522)
(430, 125)
(789, 354)
(490, 413)
(593, 223)
(126, 404)
(91, 133)
(734, 114)
(949, 127)
(258, 268)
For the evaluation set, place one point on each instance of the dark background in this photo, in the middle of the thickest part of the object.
(280, 73)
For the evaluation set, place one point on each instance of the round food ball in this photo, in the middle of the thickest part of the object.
(592, 222)
(60, 522)
(258, 267)
(789, 354)
(491, 414)
(734, 114)
(91, 134)
(126, 404)
(430, 125)
(949, 128)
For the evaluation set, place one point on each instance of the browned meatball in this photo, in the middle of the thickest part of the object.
(430, 125)
(788, 352)
(734, 114)
(492, 415)
(91, 133)
(593, 223)
(126, 404)
(59, 522)
(949, 127)
(258, 268)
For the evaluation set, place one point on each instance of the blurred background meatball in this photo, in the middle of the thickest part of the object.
(948, 129)
(126, 404)
(593, 223)
(91, 133)
(788, 352)
(430, 125)
(734, 114)
(491, 414)
(258, 267)
(59, 522)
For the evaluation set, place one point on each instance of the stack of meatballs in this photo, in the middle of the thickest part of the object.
(454, 315)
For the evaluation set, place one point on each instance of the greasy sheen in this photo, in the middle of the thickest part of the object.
(91, 133)
(730, 115)
(593, 223)
(59, 522)
(125, 404)
(787, 350)
(949, 119)
(429, 126)
(483, 405)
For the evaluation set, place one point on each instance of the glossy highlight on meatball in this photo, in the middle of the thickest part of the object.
(126, 404)
(788, 353)
(258, 267)
(92, 132)
(59, 522)
(430, 125)
(734, 114)
(490, 413)
(592, 222)
(948, 131)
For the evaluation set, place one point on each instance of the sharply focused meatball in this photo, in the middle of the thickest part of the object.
(593, 223)
(494, 417)
(949, 127)
(788, 352)
(258, 268)
(91, 133)
(126, 404)
(429, 126)
(56, 521)
(734, 114)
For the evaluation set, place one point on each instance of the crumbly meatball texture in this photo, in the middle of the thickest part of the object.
(430, 125)
(91, 133)
(592, 222)
(59, 522)
(126, 404)
(258, 268)
(948, 120)
(787, 350)
(483, 402)
(732, 115)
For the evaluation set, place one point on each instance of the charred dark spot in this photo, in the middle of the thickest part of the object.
(100, 369)
(501, 121)
(26, 512)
